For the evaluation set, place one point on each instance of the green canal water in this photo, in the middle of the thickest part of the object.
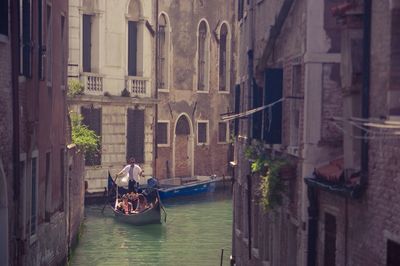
(197, 229)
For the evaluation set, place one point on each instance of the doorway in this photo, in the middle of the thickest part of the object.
(183, 147)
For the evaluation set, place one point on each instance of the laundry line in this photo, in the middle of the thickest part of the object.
(229, 117)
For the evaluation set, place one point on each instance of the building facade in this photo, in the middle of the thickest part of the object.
(35, 181)
(326, 70)
(196, 51)
(111, 54)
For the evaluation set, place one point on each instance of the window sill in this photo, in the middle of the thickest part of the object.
(223, 92)
(164, 91)
(163, 145)
(205, 91)
(4, 39)
(202, 143)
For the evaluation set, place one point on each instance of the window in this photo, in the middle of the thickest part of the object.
(92, 119)
(393, 253)
(163, 133)
(295, 106)
(203, 53)
(132, 48)
(273, 115)
(25, 18)
(163, 53)
(87, 43)
(224, 58)
(34, 195)
(49, 44)
(4, 17)
(135, 135)
(240, 9)
(256, 119)
(223, 133)
(41, 54)
(330, 240)
(202, 132)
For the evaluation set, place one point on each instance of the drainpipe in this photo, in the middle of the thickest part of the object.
(155, 151)
(365, 90)
(14, 8)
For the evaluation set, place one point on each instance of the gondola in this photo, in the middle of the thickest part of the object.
(150, 215)
(189, 189)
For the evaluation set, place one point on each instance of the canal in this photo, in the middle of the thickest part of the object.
(196, 230)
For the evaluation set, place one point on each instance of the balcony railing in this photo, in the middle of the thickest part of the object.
(93, 83)
(138, 86)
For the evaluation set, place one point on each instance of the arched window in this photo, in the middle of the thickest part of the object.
(224, 50)
(202, 63)
(163, 49)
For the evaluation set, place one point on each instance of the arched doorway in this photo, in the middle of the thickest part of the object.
(183, 147)
(3, 218)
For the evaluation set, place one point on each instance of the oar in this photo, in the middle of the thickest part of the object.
(105, 204)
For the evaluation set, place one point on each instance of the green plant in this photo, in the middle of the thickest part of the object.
(74, 88)
(270, 171)
(85, 139)
(125, 93)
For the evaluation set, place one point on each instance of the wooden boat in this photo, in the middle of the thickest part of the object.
(150, 215)
(191, 188)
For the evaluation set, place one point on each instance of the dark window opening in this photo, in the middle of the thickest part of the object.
(162, 133)
(256, 119)
(182, 126)
(92, 119)
(161, 53)
(132, 48)
(223, 57)
(273, 115)
(240, 9)
(87, 43)
(222, 131)
(330, 240)
(25, 42)
(4, 17)
(135, 135)
(201, 64)
(393, 253)
(202, 132)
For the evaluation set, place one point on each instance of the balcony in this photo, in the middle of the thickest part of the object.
(138, 86)
(93, 83)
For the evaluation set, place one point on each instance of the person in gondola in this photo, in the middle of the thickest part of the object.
(134, 171)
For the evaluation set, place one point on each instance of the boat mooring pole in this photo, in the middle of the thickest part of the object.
(222, 256)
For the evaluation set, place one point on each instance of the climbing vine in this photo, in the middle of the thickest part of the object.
(85, 139)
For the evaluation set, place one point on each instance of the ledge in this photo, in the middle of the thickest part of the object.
(335, 188)
(116, 100)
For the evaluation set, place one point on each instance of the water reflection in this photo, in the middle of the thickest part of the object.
(196, 231)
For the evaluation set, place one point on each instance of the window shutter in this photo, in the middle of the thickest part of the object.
(237, 107)
(330, 240)
(273, 116)
(135, 135)
(87, 36)
(92, 119)
(257, 117)
(132, 48)
(26, 37)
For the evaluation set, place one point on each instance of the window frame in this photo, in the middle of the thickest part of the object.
(207, 47)
(207, 132)
(167, 51)
(168, 133)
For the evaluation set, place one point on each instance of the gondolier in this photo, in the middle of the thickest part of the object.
(134, 171)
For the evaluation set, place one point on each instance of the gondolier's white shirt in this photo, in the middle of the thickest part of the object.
(133, 172)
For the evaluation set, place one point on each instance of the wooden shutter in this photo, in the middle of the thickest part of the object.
(237, 107)
(132, 48)
(92, 118)
(330, 240)
(87, 38)
(162, 134)
(273, 116)
(135, 135)
(257, 117)
(26, 37)
(40, 37)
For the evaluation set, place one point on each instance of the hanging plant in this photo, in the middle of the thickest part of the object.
(272, 171)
